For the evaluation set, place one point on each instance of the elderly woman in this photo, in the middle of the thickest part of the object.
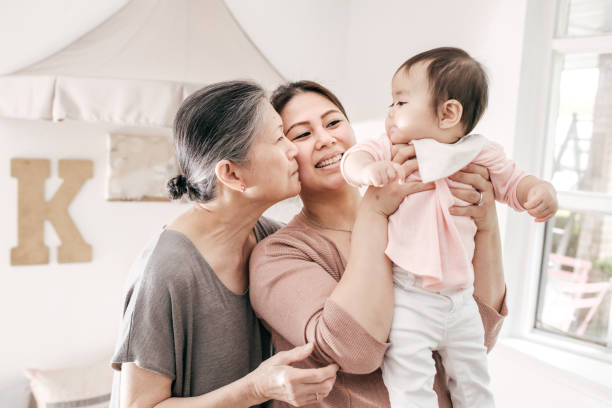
(324, 278)
(188, 335)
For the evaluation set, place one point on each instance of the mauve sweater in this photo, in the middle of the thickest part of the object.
(292, 274)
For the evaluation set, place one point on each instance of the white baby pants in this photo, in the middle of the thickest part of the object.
(425, 321)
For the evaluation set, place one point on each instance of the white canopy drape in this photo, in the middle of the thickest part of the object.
(138, 66)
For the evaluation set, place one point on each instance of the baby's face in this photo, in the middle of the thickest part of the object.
(411, 115)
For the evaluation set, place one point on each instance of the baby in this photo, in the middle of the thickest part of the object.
(438, 98)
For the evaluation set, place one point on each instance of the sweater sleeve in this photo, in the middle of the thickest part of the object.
(492, 321)
(289, 286)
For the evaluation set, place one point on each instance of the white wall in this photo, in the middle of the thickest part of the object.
(354, 47)
(57, 315)
(302, 39)
(382, 35)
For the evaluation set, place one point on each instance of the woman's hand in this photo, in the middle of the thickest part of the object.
(404, 155)
(276, 379)
(484, 214)
(386, 199)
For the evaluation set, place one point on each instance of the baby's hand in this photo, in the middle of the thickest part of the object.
(541, 201)
(379, 173)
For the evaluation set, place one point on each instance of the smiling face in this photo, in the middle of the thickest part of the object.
(411, 115)
(321, 134)
(271, 162)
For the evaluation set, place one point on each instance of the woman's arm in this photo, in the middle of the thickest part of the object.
(141, 388)
(489, 282)
(273, 379)
(365, 290)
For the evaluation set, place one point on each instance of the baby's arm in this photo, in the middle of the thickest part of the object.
(361, 169)
(514, 187)
(538, 197)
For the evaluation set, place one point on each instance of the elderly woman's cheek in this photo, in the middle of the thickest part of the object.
(275, 176)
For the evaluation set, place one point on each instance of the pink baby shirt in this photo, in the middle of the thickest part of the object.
(424, 238)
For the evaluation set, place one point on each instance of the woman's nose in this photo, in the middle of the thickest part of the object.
(324, 138)
(292, 152)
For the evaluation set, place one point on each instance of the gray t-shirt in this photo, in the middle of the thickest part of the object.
(181, 321)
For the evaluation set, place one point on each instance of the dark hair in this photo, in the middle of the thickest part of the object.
(214, 123)
(454, 74)
(284, 93)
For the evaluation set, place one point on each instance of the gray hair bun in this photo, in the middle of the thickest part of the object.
(177, 187)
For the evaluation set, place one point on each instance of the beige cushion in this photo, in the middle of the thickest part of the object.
(86, 386)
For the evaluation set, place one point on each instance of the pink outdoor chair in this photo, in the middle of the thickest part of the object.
(573, 285)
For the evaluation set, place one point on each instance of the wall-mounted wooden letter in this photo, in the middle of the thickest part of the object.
(34, 210)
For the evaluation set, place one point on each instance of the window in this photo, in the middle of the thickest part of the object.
(575, 286)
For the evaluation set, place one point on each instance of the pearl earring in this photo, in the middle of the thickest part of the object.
(243, 188)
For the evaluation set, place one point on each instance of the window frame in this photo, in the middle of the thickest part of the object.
(524, 260)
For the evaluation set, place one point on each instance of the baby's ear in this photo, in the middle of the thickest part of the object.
(449, 114)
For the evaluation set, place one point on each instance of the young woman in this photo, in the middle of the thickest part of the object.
(324, 278)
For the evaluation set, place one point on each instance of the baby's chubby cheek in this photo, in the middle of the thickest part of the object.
(397, 135)
(391, 129)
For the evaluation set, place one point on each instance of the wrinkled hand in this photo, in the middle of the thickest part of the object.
(276, 379)
(542, 201)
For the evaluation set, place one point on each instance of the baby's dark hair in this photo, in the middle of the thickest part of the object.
(454, 74)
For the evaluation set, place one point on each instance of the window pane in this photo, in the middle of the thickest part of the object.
(576, 280)
(583, 133)
(587, 18)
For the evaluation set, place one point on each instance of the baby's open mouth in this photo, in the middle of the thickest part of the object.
(329, 161)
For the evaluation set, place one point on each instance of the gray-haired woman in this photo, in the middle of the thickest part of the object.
(188, 335)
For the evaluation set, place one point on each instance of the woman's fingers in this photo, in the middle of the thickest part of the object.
(409, 167)
(468, 195)
(391, 173)
(304, 386)
(477, 212)
(291, 356)
(478, 169)
(276, 379)
(316, 375)
(402, 153)
(416, 187)
(309, 393)
(474, 179)
(484, 214)
(460, 211)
